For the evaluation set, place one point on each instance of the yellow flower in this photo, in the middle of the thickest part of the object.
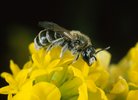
(48, 77)
(39, 91)
(127, 69)
(119, 90)
(133, 63)
(132, 95)
(15, 80)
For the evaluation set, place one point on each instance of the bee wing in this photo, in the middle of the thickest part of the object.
(56, 28)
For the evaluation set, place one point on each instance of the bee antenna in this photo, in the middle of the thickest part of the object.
(95, 58)
(102, 49)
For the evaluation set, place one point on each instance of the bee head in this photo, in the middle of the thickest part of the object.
(88, 55)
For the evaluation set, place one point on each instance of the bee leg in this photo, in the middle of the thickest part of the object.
(49, 48)
(74, 51)
(65, 47)
(76, 57)
(54, 43)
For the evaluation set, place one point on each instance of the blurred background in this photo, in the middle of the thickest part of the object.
(111, 23)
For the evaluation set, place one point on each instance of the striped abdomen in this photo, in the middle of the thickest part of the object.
(45, 38)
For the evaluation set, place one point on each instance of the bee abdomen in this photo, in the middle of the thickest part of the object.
(45, 37)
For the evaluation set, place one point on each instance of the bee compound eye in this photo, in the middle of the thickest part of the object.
(88, 51)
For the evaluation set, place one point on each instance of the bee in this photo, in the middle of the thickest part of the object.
(75, 41)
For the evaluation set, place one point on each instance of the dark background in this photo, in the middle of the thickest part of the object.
(107, 22)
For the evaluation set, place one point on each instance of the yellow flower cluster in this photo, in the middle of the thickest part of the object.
(48, 77)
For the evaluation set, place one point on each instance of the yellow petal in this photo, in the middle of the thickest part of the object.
(55, 69)
(91, 86)
(133, 76)
(85, 70)
(47, 58)
(55, 52)
(24, 92)
(37, 73)
(94, 76)
(77, 72)
(42, 78)
(116, 71)
(41, 59)
(79, 64)
(45, 91)
(99, 75)
(36, 60)
(83, 95)
(68, 55)
(22, 77)
(8, 90)
(66, 61)
(9, 78)
(103, 58)
(53, 64)
(59, 77)
(28, 64)
(102, 93)
(10, 97)
(103, 79)
(27, 86)
(70, 88)
(23, 95)
(133, 86)
(120, 86)
(14, 68)
(133, 54)
(98, 95)
(132, 95)
(5, 90)
(45, 75)
(32, 48)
